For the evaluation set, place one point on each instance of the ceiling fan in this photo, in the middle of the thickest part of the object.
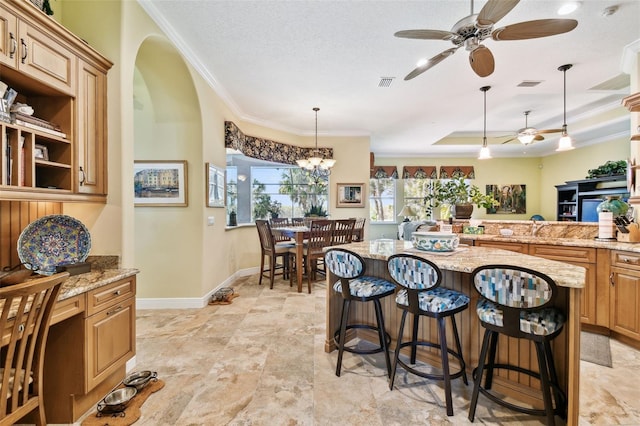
(470, 31)
(528, 135)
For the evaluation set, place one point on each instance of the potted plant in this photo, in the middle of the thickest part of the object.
(274, 209)
(315, 211)
(456, 192)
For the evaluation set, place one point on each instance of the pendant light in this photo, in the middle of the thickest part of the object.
(485, 154)
(565, 143)
(315, 165)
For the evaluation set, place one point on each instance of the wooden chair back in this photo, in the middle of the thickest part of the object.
(358, 229)
(267, 241)
(297, 221)
(320, 234)
(343, 231)
(25, 317)
(279, 222)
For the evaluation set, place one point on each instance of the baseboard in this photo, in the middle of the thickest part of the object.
(191, 302)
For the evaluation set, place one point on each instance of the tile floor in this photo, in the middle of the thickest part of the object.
(260, 361)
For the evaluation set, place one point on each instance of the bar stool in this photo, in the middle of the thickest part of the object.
(518, 302)
(422, 296)
(354, 285)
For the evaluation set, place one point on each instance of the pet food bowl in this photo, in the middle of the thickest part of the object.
(140, 379)
(117, 400)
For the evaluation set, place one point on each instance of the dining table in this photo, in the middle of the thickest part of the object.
(298, 234)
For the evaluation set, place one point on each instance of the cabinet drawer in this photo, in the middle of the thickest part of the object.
(566, 254)
(517, 247)
(105, 297)
(625, 259)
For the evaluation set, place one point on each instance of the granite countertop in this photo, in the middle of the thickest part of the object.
(569, 242)
(467, 258)
(82, 283)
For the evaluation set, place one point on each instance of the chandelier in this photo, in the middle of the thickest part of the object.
(316, 166)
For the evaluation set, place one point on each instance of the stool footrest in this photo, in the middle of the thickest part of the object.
(452, 375)
(375, 350)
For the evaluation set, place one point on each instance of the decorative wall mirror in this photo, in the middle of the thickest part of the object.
(215, 186)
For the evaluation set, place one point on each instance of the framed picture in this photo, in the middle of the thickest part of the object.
(160, 183)
(215, 186)
(350, 195)
(41, 152)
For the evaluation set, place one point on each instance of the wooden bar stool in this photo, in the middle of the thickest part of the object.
(518, 302)
(354, 285)
(422, 296)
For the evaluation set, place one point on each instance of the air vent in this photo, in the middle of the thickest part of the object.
(385, 81)
(529, 83)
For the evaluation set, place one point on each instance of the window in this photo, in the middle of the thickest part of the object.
(382, 200)
(260, 190)
(414, 192)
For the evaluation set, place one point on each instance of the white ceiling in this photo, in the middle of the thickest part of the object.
(273, 61)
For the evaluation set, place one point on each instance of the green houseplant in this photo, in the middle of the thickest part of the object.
(456, 192)
(315, 211)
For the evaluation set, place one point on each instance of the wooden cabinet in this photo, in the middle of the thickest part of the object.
(625, 294)
(87, 353)
(579, 256)
(577, 199)
(64, 81)
(567, 202)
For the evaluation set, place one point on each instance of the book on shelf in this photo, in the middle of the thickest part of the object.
(40, 128)
(35, 120)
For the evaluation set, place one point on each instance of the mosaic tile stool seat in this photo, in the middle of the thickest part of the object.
(421, 296)
(354, 285)
(518, 302)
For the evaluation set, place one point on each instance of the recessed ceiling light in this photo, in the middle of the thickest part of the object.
(568, 7)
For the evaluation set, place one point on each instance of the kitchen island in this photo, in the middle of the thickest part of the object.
(456, 267)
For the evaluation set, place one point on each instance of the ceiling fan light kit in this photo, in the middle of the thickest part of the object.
(316, 166)
(485, 154)
(471, 30)
(565, 143)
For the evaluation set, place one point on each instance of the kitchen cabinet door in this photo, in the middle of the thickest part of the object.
(624, 302)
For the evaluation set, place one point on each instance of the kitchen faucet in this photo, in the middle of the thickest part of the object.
(535, 227)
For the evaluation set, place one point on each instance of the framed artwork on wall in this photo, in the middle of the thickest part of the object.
(216, 189)
(512, 199)
(350, 195)
(160, 183)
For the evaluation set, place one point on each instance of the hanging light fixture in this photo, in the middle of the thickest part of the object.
(527, 134)
(315, 165)
(485, 154)
(565, 143)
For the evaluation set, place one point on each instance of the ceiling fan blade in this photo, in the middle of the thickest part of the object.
(481, 60)
(534, 29)
(426, 34)
(431, 62)
(494, 10)
(550, 131)
(538, 138)
(509, 140)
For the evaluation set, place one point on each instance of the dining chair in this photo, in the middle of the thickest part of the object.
(358, 229)
(25, 318)
(343, 231)
(279, 222)
(270, 249)
(518, 302)
(320, 234)
(297, 221)
(422, 296)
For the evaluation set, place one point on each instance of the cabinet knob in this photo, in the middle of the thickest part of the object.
(116, 293)
(113, 311)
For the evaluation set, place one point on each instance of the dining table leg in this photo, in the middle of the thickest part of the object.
(299, 258)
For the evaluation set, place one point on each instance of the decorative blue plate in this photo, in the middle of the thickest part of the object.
(53, 240)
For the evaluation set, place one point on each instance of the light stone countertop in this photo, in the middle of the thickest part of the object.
(467, 258)
(82, 283)
(569, 242)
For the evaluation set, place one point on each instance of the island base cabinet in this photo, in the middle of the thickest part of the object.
(86, 354)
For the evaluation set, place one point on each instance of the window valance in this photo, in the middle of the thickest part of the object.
(265, 149)
(382, 172)
(419, 172)
(449, 172)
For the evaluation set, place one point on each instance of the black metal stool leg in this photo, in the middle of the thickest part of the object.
(414, 338)
(397, 352)
(492, 359)
(479, 372)
(346, 304)
(444, 355)
(459, 347)
(382, 334)
(544, 383)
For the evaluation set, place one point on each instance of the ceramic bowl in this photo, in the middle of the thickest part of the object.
(435, 241)
(506, 232)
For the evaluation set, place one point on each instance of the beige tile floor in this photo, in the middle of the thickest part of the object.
(260, 361)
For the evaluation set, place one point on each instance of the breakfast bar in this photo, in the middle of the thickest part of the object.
(457, 267)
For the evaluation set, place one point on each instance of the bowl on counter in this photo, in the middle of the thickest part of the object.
(435, 241)
(506, 232)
